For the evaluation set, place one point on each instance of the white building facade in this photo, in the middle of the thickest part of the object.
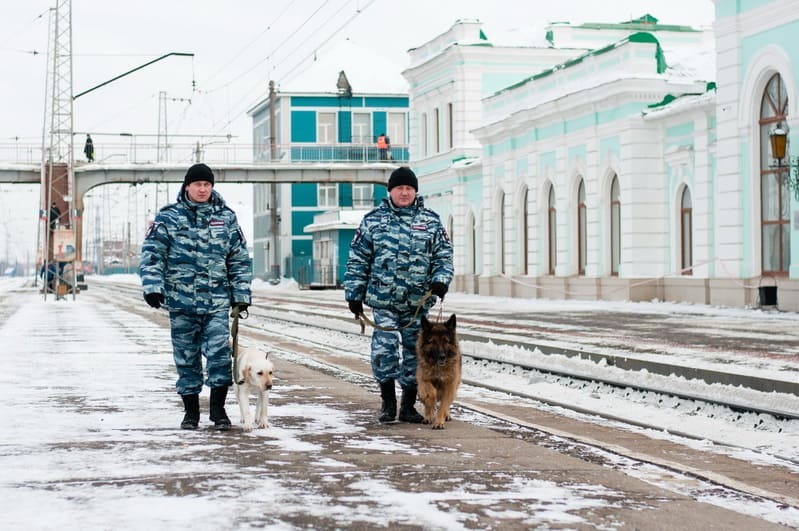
(622, 161)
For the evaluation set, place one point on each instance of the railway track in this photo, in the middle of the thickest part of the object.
(293, 316)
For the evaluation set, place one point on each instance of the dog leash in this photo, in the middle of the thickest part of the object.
(365, 320)
(234, 333)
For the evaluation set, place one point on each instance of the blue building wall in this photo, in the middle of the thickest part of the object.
(302, 112)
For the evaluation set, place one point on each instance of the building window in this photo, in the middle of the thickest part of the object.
(363, 195)
(327, 195)
(437, 130)
(501, 234)
(525, 222)
(775, 199)
(450, 229)
(324, 249)
(450, 127)
(471, 245)
(362, 128)
(552, 232)
(326, 128)
(686, 228)
(615, 227)
(582, 230)
(397, 131)
(423, 134)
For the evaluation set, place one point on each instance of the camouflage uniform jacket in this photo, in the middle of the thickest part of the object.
(196, 256)
(395, 255)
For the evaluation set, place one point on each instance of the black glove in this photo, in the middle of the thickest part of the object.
(154, 299)
(439, 289)
(356, 307)
(241, 307)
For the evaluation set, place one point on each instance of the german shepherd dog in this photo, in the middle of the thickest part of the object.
(438, 370)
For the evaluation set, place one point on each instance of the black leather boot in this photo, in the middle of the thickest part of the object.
(407, 412)
(388, 410)
(191, 405)
(217, 405)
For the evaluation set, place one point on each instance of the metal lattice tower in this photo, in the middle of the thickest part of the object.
(58, 228)
(59, 106)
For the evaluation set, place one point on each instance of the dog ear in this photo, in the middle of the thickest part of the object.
(451, 323)
(425, 324)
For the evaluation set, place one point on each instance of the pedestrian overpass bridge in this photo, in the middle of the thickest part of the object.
(133, 163)
(88, 176)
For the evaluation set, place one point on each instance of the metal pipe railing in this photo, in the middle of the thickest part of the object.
(135, 152)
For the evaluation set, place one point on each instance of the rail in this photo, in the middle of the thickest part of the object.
(136, 152)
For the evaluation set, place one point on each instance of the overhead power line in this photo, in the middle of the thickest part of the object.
(293, 33)
(248, 45)
(245, 101)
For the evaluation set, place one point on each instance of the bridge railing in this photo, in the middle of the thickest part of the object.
(148, 153)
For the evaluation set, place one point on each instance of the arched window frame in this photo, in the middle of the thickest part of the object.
(501, 233)
(775, 198)
(582, 229)
(686, 232)
(615, 226)
(524, 224)
(552, 231)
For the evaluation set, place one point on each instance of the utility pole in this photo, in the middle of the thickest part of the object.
(161, 154)
(273, 187)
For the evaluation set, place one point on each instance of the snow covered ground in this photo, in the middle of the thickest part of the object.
(747, 431)
(110, 388)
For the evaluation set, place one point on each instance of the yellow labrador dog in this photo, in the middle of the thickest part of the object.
(253, 371)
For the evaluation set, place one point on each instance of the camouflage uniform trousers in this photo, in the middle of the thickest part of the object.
(386, 361)
(194, 336)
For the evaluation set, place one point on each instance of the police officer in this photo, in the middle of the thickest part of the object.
(194, 261)
(400, 251)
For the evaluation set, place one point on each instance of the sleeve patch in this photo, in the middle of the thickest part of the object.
(152, 229)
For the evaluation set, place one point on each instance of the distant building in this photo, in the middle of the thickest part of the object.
(332, 233)
(331, 113)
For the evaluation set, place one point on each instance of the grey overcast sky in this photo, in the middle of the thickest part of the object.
(238, 47)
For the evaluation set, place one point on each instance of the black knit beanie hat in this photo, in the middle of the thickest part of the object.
(198, 172)
(403, 175)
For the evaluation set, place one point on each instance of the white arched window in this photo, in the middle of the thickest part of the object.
(686, 231)
(525, 223)
(552, 232)
(775, 199)
(582, 229)
(615, 227)
(501, 234)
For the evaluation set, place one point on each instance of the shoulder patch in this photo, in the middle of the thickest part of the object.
(357, 237)
(152, 228)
